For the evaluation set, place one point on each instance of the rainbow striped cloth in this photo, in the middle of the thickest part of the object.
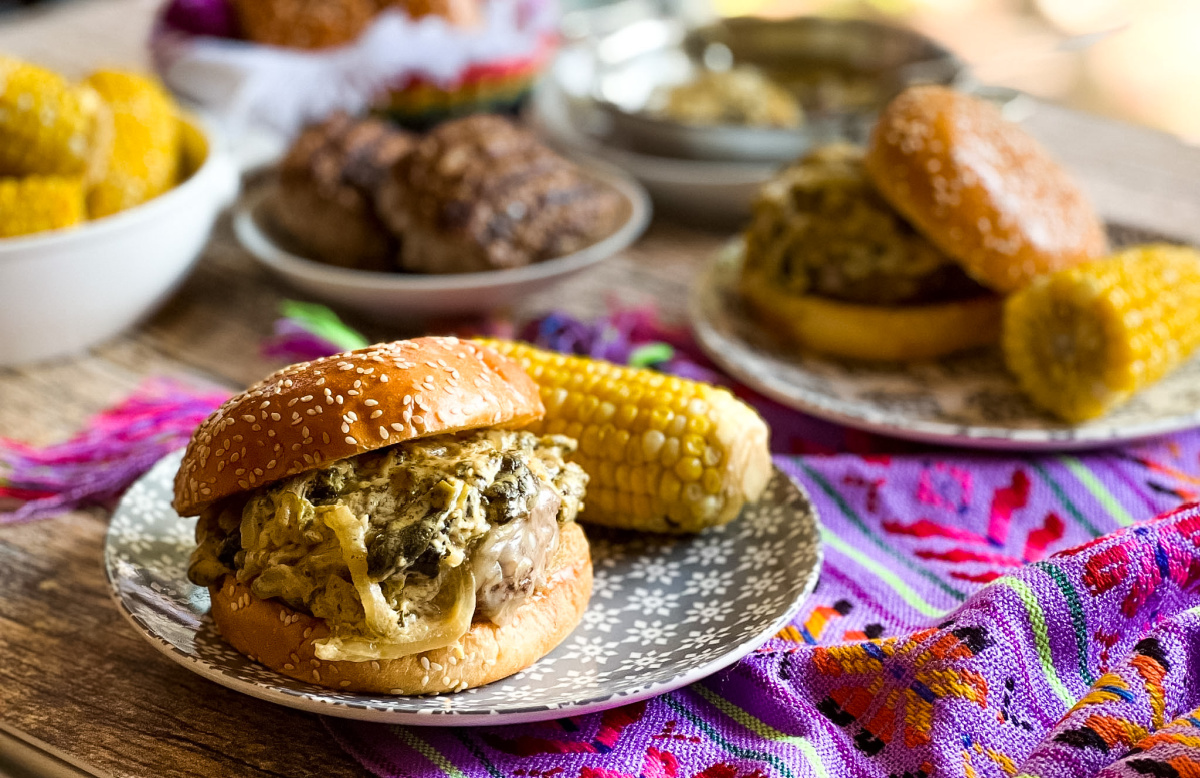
(977, 616)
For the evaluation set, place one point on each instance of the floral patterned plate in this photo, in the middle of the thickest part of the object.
(665, 612)
(968, 400)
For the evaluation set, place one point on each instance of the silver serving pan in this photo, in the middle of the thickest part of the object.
(864, 62)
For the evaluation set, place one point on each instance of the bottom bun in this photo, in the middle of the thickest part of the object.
(280, 637)
(896, 333)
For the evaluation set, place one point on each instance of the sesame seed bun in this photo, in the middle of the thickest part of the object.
(980, 188)
(313, 413)
(270, 632)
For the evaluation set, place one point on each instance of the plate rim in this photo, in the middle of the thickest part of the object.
(315, 703)
(984, 438)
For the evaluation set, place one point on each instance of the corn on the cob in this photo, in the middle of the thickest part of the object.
(193, 148)
(145, 154)
(48, 126)
(1083, 340)
(664, 454)
(39, 203)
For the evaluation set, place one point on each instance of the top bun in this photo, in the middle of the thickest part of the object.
(313, 413)
(980, 188)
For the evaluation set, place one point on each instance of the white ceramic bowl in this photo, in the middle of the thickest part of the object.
(64, 291)
(403, 297)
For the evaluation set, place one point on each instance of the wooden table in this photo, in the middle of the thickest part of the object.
(74, 676)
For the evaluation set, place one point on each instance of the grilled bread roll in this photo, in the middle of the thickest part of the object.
(481, 193)
(326, 195)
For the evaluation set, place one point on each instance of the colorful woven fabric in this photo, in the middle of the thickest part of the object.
(977, 616)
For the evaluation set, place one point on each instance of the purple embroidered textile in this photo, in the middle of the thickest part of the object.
(977, 616)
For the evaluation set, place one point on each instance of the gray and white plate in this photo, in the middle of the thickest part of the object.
(665, 612)
(968, 400)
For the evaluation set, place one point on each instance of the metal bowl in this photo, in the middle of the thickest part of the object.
(843, 71)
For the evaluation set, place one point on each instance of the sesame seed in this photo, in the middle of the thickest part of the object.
(316, 676)
(446, 681)
(306, 398)
(248, 418)
(288, 666)
(383, 377)
(425, 680)
(376, 414)
(383, 433)
(345, 428)
(315, 662)
(375, 666)
(344, 684)
(292, 402)
(371, 403)
(425, 662)
(351, 441)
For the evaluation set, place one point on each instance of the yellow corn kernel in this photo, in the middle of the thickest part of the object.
(671, 456)
(146, 151)
(1083, 340)
(39, 203)
(47, 126)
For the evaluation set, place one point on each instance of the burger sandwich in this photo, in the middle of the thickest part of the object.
(905, 249)
(376, 521)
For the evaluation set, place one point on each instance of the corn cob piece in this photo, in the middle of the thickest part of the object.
(1083, 340)
(39, 203)
(664, 454)
(48, 126)
(145, 155)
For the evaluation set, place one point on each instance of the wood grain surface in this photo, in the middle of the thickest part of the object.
(76, 676)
